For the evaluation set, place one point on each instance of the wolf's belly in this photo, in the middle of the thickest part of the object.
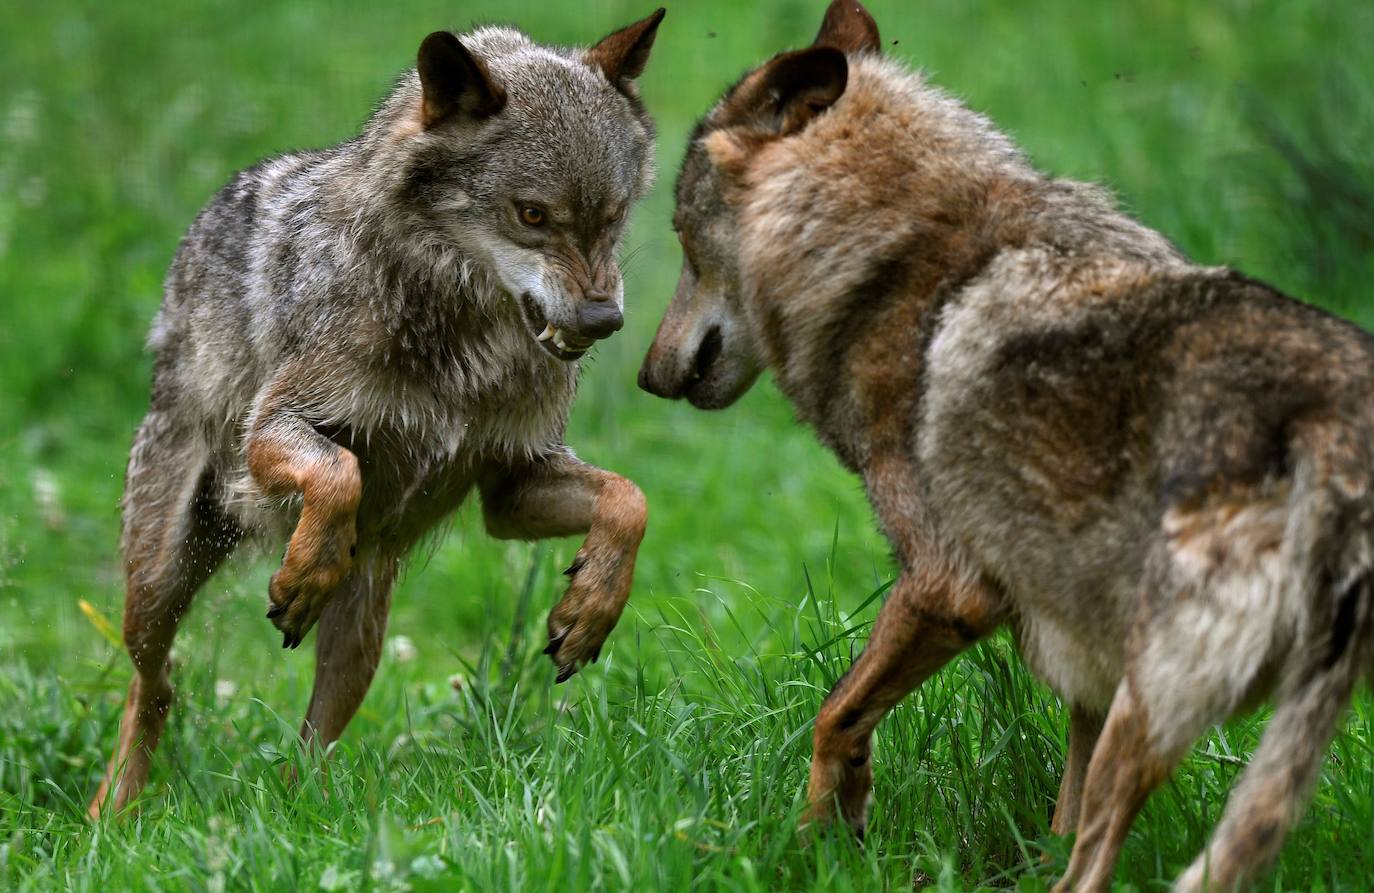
(1084, 672)
(1074, 585)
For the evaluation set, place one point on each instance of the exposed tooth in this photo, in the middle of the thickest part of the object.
(558, 339)
(547, 333)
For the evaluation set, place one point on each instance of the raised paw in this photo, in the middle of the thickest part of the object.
(581, 621)
(301, 588)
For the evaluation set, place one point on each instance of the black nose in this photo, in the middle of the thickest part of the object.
(598, 319)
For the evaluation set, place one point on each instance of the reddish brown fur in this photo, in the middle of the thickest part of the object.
(1161, 474)
(320, 553)
(567, 500)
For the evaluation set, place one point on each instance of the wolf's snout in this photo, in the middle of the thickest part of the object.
(654, 384)
(659, 374)
(599, 319)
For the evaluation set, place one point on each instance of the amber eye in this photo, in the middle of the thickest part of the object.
(531, 216)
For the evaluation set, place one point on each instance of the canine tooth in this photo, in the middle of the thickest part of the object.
(547, 333)
(558, 339)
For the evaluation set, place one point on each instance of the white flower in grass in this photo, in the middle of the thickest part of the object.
(225, 689)
(385, 876)
(401, 649)
(335, 878)
(46, 490)
(48, 494)
(427, 867)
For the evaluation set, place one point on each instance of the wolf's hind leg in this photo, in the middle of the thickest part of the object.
(1085, 727)
(1215, 618)
(926, 621)
(1126, 767)
(1274, 788)
(561, 496)
(348, 647)
(175, 536)
(286, 455)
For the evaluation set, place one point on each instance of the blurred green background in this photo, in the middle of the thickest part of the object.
(1240, 129)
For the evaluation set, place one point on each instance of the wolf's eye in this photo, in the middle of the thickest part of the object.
(531, 216)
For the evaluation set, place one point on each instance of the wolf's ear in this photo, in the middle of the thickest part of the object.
(849, 28)
(623, 54)
(786, 93)
(454, 80)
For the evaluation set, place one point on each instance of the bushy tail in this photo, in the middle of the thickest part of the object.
(1331, 533)
(1329, 547)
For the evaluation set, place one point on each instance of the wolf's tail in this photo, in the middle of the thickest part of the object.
(1327, 562)
(1331, 534)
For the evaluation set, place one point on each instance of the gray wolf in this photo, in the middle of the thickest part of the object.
(1160, 475)
(352, 340)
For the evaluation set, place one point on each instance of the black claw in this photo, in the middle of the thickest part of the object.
(275, 611)
(859, 834)
(596, 655)
(565, 673)
(555, 642)
(286, 640)
(574, 567)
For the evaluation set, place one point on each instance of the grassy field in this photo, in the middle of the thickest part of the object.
(1241, 129)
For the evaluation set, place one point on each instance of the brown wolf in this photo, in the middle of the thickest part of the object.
(1160, 475)
(354, 339)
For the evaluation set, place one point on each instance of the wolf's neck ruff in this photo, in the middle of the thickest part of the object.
(940, 194)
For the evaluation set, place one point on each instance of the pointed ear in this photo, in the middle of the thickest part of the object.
(623, 54)
(454, 81)
(849, 28)
(786, 93)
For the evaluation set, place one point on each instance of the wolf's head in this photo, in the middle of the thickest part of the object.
(527, 159)
(706, 349)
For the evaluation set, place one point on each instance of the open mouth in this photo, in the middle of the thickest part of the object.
(563, 345)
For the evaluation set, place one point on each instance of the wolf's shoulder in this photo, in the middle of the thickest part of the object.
(253, 192)
(261, 205)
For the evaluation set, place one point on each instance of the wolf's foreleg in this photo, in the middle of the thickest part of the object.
(286, 455)
(926, 621)
(562, 496)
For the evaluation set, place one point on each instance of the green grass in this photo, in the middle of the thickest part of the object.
(1240, 129)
